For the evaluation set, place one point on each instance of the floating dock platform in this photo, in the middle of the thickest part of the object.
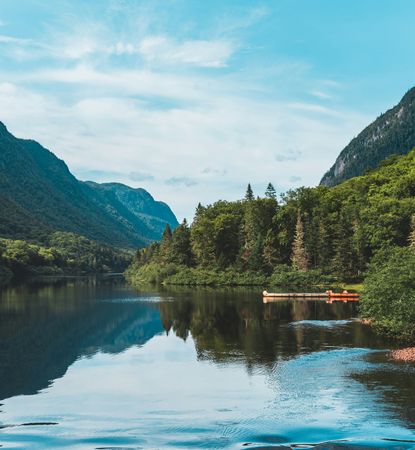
(329, 296)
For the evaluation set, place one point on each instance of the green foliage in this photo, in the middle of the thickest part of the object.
(215, 234)
(150, 273)
(249, 195)
(285, 275)
(389, 292)
(65, 253)
(164, 249)
(326, 233)
(270, 192)
(180, 251)
(299, 256)
(210, 277)
(171, 274)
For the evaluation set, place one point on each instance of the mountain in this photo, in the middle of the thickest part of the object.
(38, 195)
(136, 206)
(391, 133)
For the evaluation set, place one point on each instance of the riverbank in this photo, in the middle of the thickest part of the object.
(177, 275)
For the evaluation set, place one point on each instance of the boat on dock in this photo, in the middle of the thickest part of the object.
(329, 296)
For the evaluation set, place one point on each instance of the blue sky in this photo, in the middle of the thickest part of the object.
(194, 99)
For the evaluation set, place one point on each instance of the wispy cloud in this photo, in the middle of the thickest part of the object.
(289, 155)
(4, 39)
(181, 181)
(321, 94)
(314, 108)
(201, 53)
(140, 176)
(212, 171)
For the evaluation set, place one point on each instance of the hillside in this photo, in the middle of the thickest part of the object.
(134, 207)
(391, 133)
(38, 194)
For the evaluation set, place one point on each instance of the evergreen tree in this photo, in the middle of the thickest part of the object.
(299, 257)
(199, 210)
(180, 251)
(249, 229)
(249, 195)
(359, 248)
(324, 246)
(270, 252)
(165, 244)
(202, 239)
(270, 192)
(226, 237)
(343, 263)
(256, 261)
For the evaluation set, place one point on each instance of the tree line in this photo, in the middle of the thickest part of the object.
(333, 231)
(65, 252)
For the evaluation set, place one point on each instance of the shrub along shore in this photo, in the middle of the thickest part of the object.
(179, 275)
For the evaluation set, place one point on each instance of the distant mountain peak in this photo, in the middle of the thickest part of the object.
(39, 194)
(391, 133)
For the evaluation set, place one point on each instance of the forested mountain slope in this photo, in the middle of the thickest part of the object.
(39, 194)
(134, 206)
(391, 133)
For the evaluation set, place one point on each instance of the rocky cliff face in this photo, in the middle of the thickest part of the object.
(391, 133)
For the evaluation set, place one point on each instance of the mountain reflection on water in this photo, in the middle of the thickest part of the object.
(179, 368)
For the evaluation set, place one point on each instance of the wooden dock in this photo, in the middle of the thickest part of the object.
(329, 296)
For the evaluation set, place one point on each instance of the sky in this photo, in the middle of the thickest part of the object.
(193, 99)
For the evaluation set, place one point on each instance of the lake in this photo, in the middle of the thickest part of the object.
(92, 363)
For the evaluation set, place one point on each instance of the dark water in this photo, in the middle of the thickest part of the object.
(94, 364)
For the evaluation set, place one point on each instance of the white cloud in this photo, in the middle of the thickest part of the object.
(315, 108)
(4, 39)
(289, 155)
(233, 133)
(154, 50)
(201, 53)
(321, 94)
(181, 181)
(140, 176)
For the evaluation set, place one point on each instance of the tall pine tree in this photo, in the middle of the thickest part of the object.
(165, 242)
(249, 195)
(270, 192)
(299, 257)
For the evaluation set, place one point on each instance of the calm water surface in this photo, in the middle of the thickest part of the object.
(95, 364)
